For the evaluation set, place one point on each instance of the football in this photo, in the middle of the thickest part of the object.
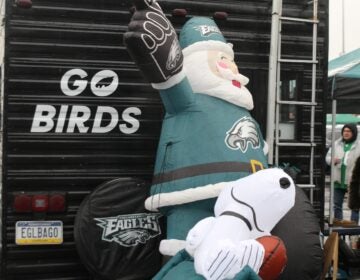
(275, 258)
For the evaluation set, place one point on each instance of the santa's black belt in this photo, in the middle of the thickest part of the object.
(207, 168)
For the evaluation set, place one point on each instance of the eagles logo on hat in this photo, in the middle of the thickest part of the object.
(200, 33)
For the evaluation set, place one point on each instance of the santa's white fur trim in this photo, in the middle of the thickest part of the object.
(210, 45)
(156, 201)
(169, 247)
(177, 78)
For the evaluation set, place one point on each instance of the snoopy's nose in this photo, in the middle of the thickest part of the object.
(284, 182)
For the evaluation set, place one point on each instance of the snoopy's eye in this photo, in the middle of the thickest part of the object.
(284, 182)
(223, 57)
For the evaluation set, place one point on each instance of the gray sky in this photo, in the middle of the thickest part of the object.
(351, 26)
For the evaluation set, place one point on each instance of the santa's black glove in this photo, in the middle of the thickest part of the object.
(152, 42)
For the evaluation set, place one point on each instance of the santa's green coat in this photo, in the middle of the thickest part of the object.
(194, 151)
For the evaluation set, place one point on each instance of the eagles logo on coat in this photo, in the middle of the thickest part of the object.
(242, 134)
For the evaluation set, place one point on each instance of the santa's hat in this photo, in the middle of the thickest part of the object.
(201, 33)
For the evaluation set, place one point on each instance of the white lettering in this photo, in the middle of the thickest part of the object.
(48, 118)
(152, 222)
(127, 117)
(79, 115)
(61, 118)
(43, 118)
(114, 118)
(111, 226)
(79, 85)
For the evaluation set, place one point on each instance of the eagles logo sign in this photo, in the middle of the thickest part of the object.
(242, 134)
(130, 230)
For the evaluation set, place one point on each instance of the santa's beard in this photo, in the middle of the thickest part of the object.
(203, 80)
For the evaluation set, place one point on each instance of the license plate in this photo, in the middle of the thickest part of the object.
(39, 232)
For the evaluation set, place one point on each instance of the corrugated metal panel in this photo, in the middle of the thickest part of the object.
(55, 36)
(43, 44)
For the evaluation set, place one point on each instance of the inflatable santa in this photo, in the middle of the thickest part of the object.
(208, 138)
(208, 135)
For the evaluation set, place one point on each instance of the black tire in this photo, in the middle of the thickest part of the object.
(131, 251)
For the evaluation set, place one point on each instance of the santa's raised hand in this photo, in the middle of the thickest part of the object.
(152, 42)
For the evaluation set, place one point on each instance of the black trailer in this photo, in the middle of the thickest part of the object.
(77, 113)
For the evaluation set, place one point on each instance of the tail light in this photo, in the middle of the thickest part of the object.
(39, 203)
(57, 203)
(26, 4)
(22, 203)
(220, 15)
(179, 13)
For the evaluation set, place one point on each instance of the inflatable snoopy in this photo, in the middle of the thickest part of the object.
(245, 210)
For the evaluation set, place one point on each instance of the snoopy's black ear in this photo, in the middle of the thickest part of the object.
(284, 182)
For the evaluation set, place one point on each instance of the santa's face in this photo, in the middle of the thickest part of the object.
(214, 73)
(223, 66)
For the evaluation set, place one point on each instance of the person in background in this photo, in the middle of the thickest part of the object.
(354, 192)
(347, 150)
